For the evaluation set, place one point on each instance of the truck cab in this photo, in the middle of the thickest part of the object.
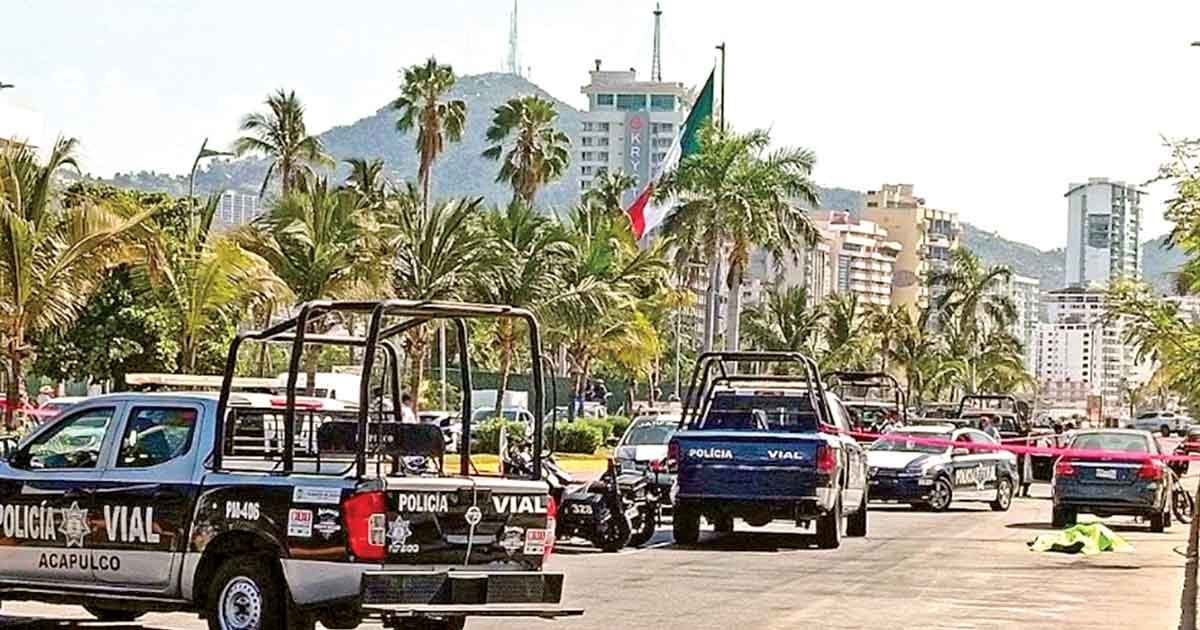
(765, 447)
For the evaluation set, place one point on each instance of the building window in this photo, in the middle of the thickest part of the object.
(662, 102)
(587, 141)
(631, 102)
(587, 170)
(662, 142)
(662, 128)
(660, 156)
(604, 100)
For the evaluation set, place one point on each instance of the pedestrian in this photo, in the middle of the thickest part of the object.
(985, 425)
(45, 395)
(407, 415)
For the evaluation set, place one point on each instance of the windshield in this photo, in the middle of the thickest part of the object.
(789, 412)
(1126, 442)
(508, 414)
(907, 442)
(650, 432)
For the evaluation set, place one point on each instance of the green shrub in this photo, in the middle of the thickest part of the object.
(601, 424)
(579, 437)
(485, 436)
(619, 425)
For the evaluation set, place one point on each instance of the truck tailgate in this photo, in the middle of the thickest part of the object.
(747, 464)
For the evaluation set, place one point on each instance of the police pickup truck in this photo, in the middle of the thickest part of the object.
(262, 517)
(763, 448)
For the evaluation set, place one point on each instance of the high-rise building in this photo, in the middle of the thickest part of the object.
(236, 208)
(862, 256)
(1104, 222)
(629, 125)
(1025, 295)
(926, 236)
(1081, 353)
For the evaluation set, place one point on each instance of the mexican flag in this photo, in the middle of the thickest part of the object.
(645, 213)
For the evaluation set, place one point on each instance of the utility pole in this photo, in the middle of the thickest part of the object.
(656, 63)
(514, 64)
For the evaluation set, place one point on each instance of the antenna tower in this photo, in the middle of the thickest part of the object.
(656, 64)
(513, 65)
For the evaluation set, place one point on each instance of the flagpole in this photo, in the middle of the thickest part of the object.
(721, 47)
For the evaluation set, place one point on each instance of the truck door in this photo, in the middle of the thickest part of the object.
(975, 470)
(856, 482)
(47, 499)
(147, 495)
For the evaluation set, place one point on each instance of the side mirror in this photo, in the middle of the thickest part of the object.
(958, 450)
(612, 441)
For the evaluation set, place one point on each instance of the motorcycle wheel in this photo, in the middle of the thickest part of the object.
(1183, 505)
(615, 534)
(649, 524)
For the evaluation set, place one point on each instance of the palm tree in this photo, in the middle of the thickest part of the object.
(970, 308)
(280, 134)
(885, 321)
(848, 337)
(322, 244)
(784, 321)
(608, 190)
(527, 250)
(733, 196)
(437, 120)
(366, 180)
(537, 153)
(52, 257)
(439, 254)
(605, 285)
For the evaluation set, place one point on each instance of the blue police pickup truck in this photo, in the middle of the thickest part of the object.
(758, 448)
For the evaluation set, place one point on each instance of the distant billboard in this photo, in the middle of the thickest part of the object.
(637, 149)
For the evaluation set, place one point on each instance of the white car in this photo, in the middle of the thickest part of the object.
(1162, 422)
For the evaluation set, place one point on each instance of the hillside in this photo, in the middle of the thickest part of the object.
(459, 171)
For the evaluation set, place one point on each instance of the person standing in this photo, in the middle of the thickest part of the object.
(407, 415)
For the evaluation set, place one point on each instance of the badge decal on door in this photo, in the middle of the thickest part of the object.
(75, 525)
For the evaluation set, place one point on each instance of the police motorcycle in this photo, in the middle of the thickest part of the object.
(611, 512)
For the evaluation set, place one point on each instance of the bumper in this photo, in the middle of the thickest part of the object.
(1133, 501)
(898, 489)
(464, 593)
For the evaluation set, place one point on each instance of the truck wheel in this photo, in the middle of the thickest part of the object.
(1062, 517)
(1159, 522)
(723, 524)
(685, 525)
(246, 594)
(1004, 495)
(829, 527)
(856, 525)
(941, 496)
(102, 613)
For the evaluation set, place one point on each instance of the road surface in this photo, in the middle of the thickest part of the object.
(968, 568)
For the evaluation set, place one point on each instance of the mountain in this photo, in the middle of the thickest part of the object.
(1160, 262)
(459, 171)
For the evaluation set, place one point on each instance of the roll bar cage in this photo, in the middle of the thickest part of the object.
(703, 381)
(869, 379)
(380, 334)
(1015, 405)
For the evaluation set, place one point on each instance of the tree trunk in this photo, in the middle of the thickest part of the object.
(710, 304)
(13, 395)
(1187, 604)
(506, 352)
(312, 359)
(417, 364)
(630, 396)
(733, 308)
(264, 348)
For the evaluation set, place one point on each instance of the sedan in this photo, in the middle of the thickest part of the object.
(1111, 486)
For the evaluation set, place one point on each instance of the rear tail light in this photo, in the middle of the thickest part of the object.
(672, 455)
(826, 460)
(658, 465)
(1150, 471)
(365, 517)
(1064, 468)
(551, 523)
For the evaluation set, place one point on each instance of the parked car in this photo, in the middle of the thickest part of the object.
(1162, 422)
(1109, 486)
(754, 449)
(906, 469)
(643, 450)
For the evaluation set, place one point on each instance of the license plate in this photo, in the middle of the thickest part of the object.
(1106, 473)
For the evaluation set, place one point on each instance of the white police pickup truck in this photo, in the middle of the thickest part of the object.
(275, 517)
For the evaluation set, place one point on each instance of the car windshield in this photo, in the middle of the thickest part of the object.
(481, 415)
(909, 442)
(1126, 442)
(789, 412)
(652, 432)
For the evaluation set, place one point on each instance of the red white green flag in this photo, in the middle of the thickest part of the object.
(646, 213)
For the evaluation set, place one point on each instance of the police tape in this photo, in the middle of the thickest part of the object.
(1051, 451)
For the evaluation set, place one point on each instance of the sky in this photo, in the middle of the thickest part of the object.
(989, 108)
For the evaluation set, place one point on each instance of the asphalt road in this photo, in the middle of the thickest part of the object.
(968, 568)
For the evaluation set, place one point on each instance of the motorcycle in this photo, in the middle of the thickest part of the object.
(614, 511)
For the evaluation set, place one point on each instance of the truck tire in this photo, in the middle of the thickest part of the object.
(648, 526)
(941, 496)
(685, 525)
(856, 524)
(1062, 517)
(829, 527)
(1004, 495)
(103, 613)
(1160, 522)
(723, 524)
(247, 594)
